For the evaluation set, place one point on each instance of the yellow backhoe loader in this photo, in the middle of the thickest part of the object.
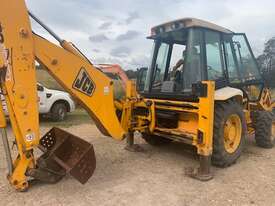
(203, 88)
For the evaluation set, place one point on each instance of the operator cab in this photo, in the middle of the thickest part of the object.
(189, 51)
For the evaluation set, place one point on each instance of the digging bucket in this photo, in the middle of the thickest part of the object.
(66, 153)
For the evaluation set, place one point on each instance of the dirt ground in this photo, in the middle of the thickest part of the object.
(154, 177)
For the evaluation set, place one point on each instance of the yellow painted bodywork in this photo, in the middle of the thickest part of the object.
(3, 122)
(206, 120)
(64, 66)
(20, 48)
(194, 117)
(18, 83)
(188, 122)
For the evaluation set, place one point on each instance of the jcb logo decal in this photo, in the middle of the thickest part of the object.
(84, 83)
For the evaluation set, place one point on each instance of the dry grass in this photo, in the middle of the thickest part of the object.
(78, 117)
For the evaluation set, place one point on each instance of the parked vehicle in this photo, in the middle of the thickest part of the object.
(53, 103)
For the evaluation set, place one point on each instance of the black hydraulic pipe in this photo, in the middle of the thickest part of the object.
(45, 27)
(51, 32)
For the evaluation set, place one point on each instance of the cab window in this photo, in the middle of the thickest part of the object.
(231, 60)
(214, 58)
(178, 54)
(193, 71)
(246, 61)
(160, 66)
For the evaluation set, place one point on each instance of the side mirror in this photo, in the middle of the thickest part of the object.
(141, 77)
(40, 88)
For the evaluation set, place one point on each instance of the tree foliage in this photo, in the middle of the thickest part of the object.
(131, 74)
(266, 62)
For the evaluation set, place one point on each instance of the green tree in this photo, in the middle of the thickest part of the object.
(131, 74)
(266, 62)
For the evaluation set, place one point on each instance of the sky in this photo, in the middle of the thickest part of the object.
(113, 31)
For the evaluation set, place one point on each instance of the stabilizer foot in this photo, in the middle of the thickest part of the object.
(134, 148)
(198, 175)
(203, 173)
(131, 147)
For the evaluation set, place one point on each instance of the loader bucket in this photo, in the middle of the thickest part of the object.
(66, 153)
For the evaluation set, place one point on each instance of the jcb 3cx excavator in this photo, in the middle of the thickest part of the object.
(203, 88)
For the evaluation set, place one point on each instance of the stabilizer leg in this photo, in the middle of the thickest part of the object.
(204, 172)
(131, 146)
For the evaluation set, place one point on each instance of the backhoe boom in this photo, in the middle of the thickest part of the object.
(20, 47)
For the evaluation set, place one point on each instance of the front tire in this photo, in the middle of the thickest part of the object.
(229, 133)
(59, 112)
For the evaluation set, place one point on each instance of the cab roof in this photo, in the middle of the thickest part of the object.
(187, 23)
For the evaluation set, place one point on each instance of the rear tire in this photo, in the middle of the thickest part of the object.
(263, 129)
(155, 140)
(59, 112)
(229, 133)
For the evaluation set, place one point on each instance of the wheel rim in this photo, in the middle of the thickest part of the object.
(232, 133)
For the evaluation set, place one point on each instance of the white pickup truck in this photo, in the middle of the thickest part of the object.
(52, 102)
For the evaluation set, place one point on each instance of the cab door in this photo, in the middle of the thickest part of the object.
(214, 58)
(242, 68)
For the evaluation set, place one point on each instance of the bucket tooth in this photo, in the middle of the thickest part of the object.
(66, 153)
